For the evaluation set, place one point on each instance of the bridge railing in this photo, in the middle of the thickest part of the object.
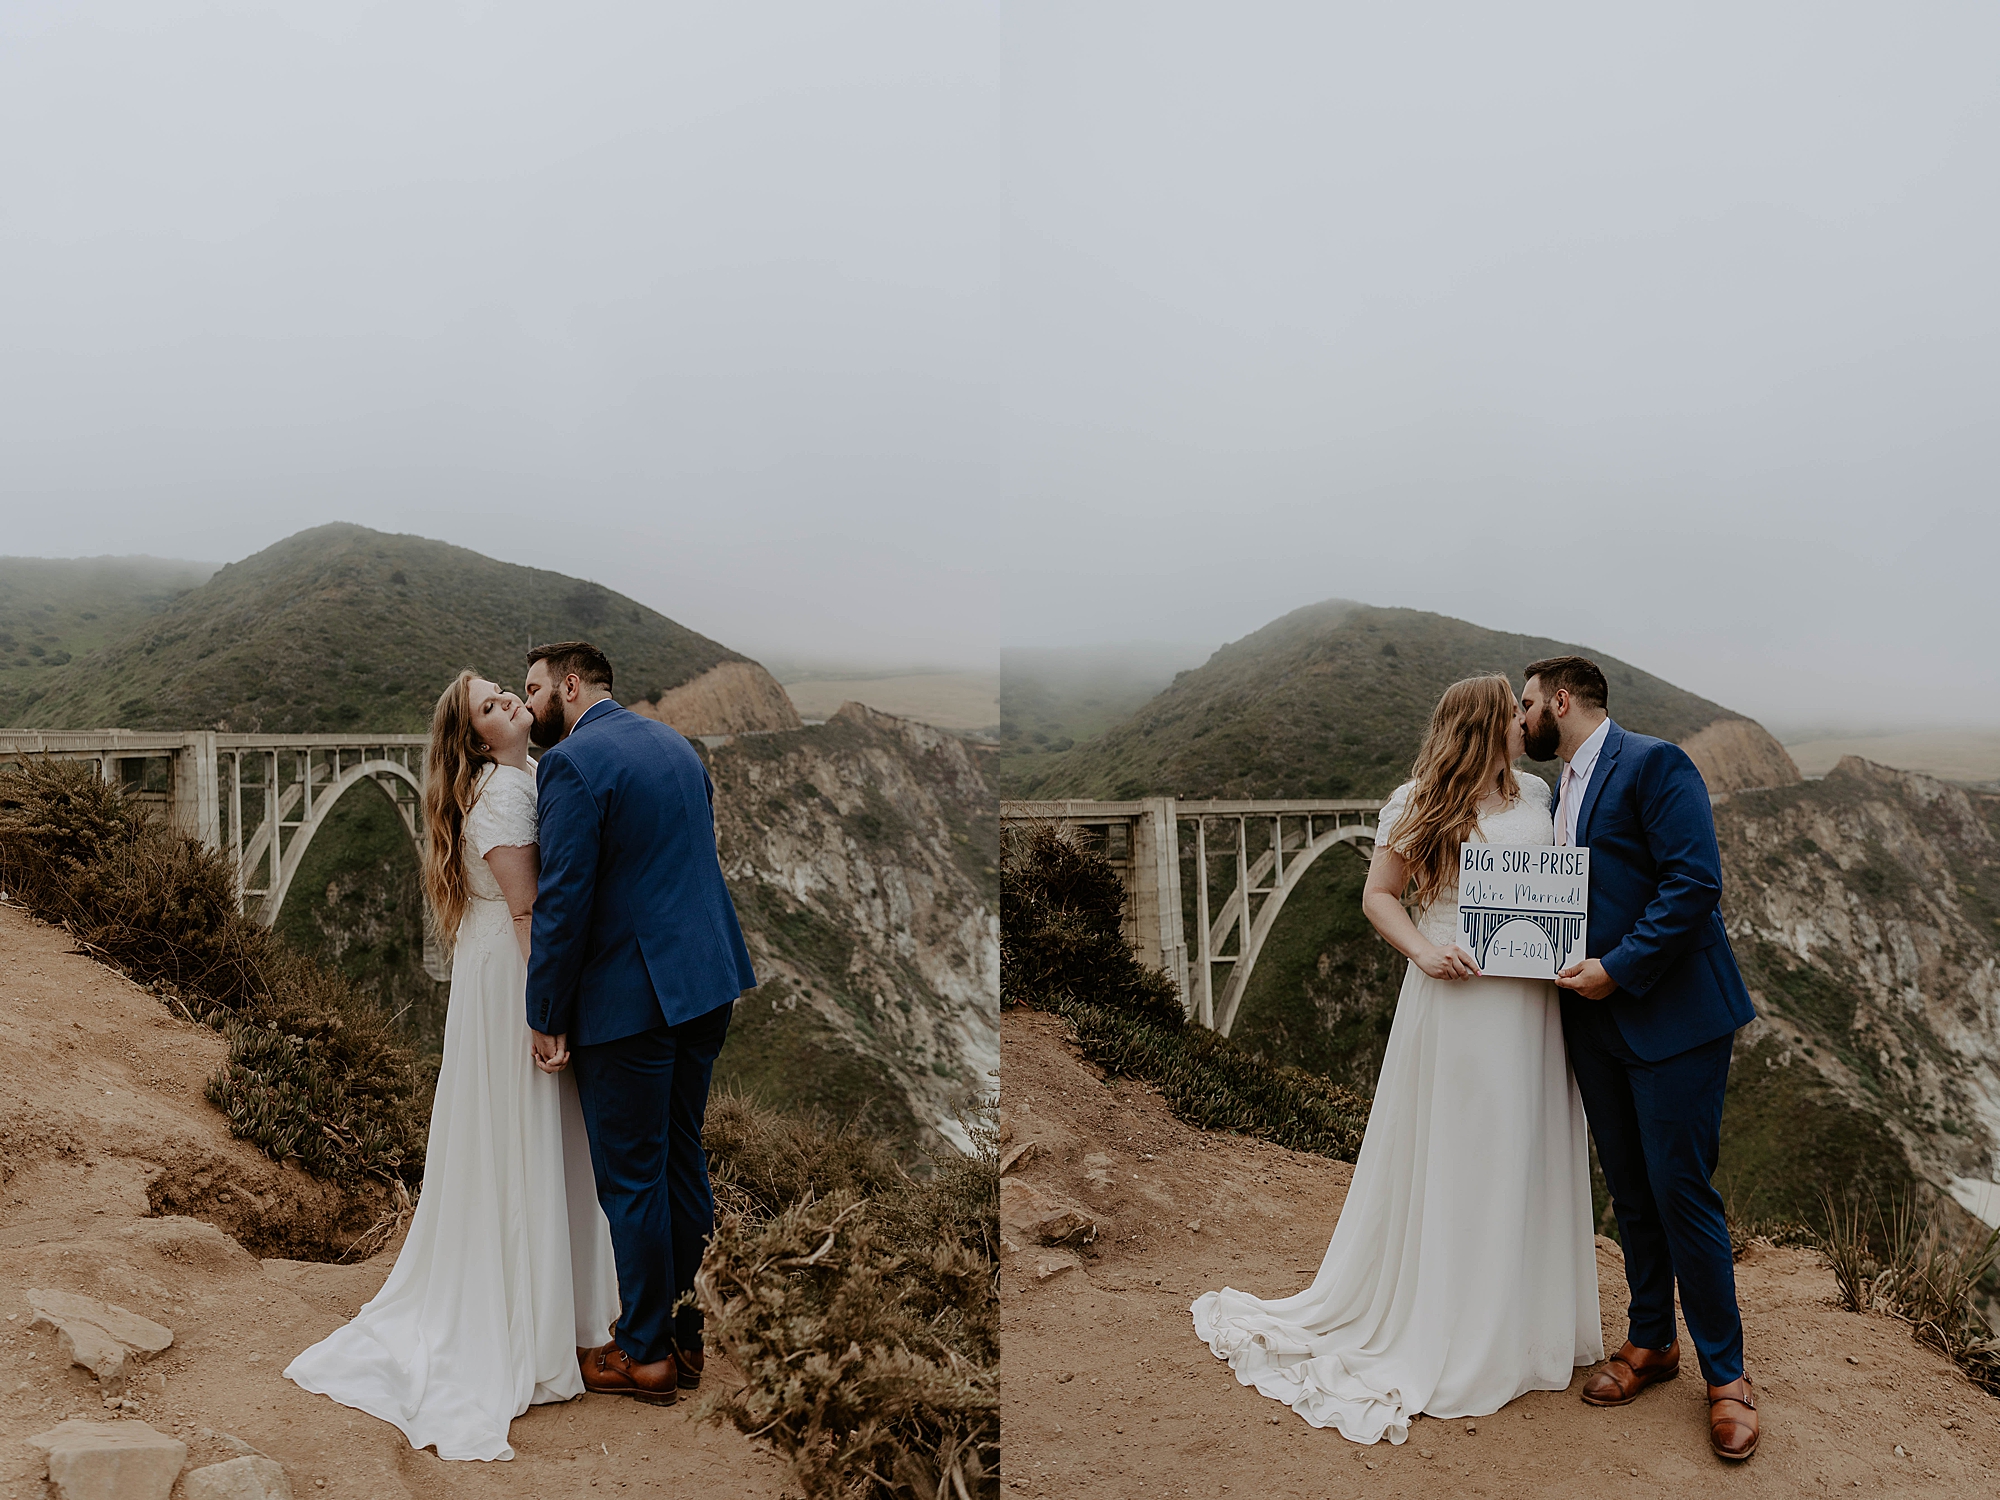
(259, 798)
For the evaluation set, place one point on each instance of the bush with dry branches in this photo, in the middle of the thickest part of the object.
(316, 1073)
(861, 1305)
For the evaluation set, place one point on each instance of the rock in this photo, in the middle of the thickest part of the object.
(1054, 1265)
(256, 1478)
(110, 1460)
(232, 1442)
(1015, 1155)
(1066, 1229)
(105, 1339)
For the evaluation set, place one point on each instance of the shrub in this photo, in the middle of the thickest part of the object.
(1916, 1266)
(860, 1303)
(314, 1074)
(1062, 935)
(1062, 949)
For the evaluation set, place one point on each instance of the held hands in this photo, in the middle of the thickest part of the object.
(1447, 963)
(551, 1052)
(1588, 979)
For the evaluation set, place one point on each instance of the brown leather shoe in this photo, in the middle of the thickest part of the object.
(689, 1361)
(1732, 1420)
(610, 1371)
(1620, 1378)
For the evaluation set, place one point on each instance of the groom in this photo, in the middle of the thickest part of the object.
(636, 963)
(1650, 1018)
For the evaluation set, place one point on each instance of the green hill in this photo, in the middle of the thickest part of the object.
(341, 627)
(1327, 701)
(54, 609)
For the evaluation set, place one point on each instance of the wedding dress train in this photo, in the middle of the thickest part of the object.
(508, 1268)
(1462, 1271)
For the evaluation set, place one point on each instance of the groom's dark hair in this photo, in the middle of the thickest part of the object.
(1578, 674)
(580, 657)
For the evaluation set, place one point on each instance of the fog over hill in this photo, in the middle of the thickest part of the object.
(55, 609)
(1331, 700)
(341, 627)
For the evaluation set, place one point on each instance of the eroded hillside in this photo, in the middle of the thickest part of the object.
(863, 856)
(1865, 910)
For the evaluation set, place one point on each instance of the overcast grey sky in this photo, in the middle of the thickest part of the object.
(693, 300)
(1671, 329)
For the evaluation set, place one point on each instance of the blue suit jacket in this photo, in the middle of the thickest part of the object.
(1655, 890)
(633, 925)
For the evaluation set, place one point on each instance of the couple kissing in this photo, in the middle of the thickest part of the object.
(1462, 1271)
(596, 959)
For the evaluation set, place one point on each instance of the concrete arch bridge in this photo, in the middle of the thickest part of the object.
(258, 798)
(1250, 855)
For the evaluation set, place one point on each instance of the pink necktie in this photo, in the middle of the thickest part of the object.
(1562, 804)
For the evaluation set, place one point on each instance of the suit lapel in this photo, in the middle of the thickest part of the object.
(1607, 757)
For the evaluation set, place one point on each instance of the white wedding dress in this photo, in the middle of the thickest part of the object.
(507, 1269)
(1463, 1270)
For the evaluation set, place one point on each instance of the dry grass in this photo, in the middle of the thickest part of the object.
(315, 1073)
(860, 1303)
(1921, 1266)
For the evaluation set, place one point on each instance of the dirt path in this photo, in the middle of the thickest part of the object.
(100, 1102)
(1108, 1392)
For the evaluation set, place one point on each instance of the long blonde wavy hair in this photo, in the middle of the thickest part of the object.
(1453, 774)
(455, 760)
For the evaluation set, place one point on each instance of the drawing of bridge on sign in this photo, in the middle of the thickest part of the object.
(259, 798)
(1262, 850)
(1562, 931)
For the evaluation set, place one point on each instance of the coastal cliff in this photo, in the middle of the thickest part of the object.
(863, 857)
(1865, 911)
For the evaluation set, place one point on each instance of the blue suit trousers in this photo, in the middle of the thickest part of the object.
(1657, 1126)
(643, 1100)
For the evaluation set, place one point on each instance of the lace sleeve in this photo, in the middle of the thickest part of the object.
(1392, 810)
(504, 813)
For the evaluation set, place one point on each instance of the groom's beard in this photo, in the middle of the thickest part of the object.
(547, 731)
(1541, 737)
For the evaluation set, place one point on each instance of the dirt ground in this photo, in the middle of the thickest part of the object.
(102, 1116)
(1108, 1392)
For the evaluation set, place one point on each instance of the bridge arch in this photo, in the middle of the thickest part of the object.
(1295, 864)
(292, 854)
(1144, 841)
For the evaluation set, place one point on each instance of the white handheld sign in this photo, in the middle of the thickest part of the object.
(1523, 909)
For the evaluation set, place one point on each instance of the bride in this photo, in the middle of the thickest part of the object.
(1462, 1270)
(507, 1269)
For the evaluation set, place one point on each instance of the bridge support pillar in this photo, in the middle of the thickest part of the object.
(197, 791)
(1153, 898)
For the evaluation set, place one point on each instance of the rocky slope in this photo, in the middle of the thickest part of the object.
(732, 697)
(862, 855)
(1865, 910)
(341, 628)
(1108, 1392)
(119, 1183)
